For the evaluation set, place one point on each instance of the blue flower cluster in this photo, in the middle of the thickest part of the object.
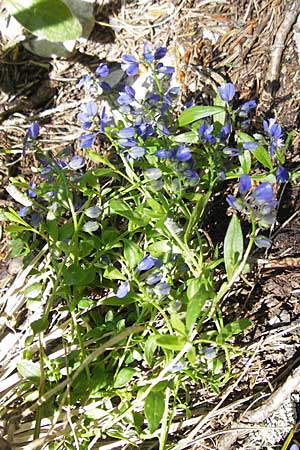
(149, 267)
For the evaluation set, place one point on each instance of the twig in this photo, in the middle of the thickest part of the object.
(290, 18)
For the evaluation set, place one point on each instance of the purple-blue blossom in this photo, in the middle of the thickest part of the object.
(33, 130)
(250, 145)
(102, 70)
(77, 162)
(227, 92)
(123, 289)
(274, 131)
(262, 241)
(86, 82)
(87, 140)
(147, 262)
(225, 131)
(160, 52)
(183, 153)
(147, 53)
(136, 152)
(127, 132)
(162, 289)
(245, 183)
(282, 175)
(166, 70)
(89, 111)
(130, 65)
(245, 108)
(32, 190)
(263, 194)
(153, 278)
(205, 133)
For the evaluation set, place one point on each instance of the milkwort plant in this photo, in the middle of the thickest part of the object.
(130, 259)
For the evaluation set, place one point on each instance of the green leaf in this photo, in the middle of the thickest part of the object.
(52, 228)
(154, 409)
(112, 273)
(221, 117)
(233, 246)
(171, 342)
(132, 253)
(116, 301)
(232, 328)
(138, 216)
(29, 369)
(193, 311)
(198, 292)
(75, 275)
(12, 216)
(263, 156)
(245, 161)
(191, 137)
(197, 112)
(124, 376)
(99, 159)
(149, 349)
(47, 19)
(39, 325)
(159, 247)
(33, 291)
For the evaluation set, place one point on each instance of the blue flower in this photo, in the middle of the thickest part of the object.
(153, 173)
(102, 70)
(103, 120)
(136, 152)
(128, 132)
(274, 131)
(127, 142)
(23, 211)
(225, 131)
(183, 153)
(205, 133)
(245, 183)
(166, 70)
(294, 447)
(153, 278)
(251, 145)
(86, 82)
(127, 97)
(191, 176)
(234, 203)
(33, 130)
(87, 140)
(77, 162)
(147, 53)
(262, 241)
(282, 175)
(144, 129)
(123, 289)
(246, 107)
(263, 194)
(31, 191)
(231, 151)
(227, 92)
(162, 289)
(32, 134)
(89, 111)
(160, 52)
(147, 263)
(130, 65)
